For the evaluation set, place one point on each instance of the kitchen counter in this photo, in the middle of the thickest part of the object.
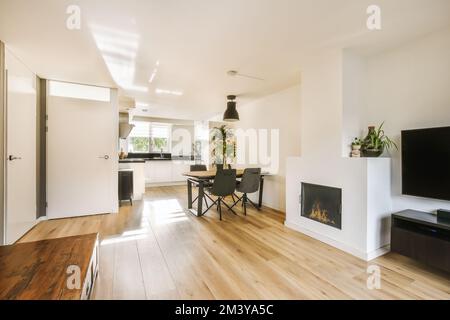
(142, 160)
(131, 160)
(158, 159)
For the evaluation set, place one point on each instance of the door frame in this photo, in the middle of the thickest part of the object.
(2, 144)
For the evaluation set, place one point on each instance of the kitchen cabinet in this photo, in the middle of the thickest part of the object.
(165, 171)
(158, 171)
(178, 168)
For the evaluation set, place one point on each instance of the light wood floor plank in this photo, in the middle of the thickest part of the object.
(156, 249)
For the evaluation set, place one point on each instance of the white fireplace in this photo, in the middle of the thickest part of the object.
(366, 202)
(332, 96)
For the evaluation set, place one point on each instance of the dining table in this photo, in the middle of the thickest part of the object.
(201, 179)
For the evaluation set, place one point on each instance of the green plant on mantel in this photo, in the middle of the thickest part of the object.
(357, 142)
(376, 142)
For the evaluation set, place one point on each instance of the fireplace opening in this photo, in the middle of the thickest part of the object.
(322, 204)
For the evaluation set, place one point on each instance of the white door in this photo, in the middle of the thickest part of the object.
(82, 160)
(20, 149)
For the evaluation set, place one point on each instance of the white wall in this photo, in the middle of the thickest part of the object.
(408, 87)
(280, 111)
(354, 83)
(343, 93)
(321, 121)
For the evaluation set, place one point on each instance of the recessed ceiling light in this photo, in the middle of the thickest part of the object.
(172, 92)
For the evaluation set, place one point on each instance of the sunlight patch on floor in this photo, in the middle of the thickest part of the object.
(122, 238)
(165, 211)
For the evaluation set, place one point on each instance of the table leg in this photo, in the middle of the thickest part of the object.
(200, 198)
(189, 187)
(261, 190)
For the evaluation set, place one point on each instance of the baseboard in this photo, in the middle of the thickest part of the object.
(264, 205)
(164, 184)
(254, 198)
(36, 222)
(366, 256)
(274, 208)
(378, 252)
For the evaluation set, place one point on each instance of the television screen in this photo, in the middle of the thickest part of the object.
(426, 163)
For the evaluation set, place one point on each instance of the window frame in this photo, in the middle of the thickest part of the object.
(150, 138)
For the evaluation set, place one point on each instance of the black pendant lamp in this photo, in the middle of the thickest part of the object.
(231, 113)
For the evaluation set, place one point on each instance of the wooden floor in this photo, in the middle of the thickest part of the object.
(157, 250)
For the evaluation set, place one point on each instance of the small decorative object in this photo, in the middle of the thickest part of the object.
(376, 142)
(122, 154)
(356, 148)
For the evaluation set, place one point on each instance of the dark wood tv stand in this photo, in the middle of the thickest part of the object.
(419, 235)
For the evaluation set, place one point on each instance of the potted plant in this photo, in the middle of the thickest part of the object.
(221, 148)
(356, 144)
(376, 142)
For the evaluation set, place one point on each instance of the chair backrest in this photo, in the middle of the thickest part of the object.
(250, 180)
(198, 167)
(224, 183)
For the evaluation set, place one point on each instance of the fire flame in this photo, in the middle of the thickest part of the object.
(320, 215)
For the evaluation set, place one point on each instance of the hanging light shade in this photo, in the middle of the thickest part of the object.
(231, 113)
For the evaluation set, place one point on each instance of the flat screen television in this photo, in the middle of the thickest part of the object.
(426, 163)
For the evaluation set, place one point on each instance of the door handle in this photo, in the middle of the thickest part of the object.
(12, 158)
(106, 157)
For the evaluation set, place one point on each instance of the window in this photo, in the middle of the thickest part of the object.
(78, 91)
(159, 137)
(139, 137)
(149, 137)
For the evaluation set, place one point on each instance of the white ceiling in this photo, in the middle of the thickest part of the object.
(197, 41)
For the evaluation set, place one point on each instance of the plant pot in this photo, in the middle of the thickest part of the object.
(372, 153)
(356, 147)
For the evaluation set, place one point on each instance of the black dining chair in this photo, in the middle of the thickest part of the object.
(220, 166)
(249, 184)
(224, 185)
(200, 167)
